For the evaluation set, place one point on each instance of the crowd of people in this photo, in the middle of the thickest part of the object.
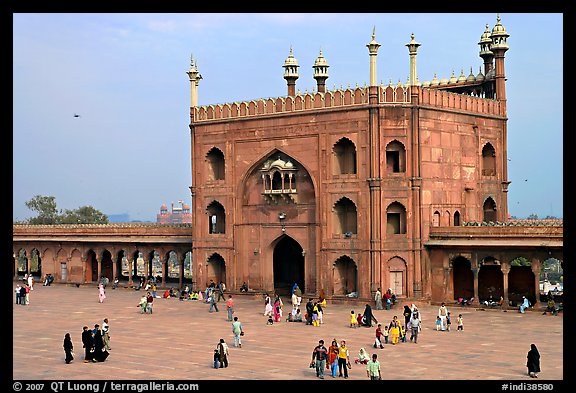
(334, 358)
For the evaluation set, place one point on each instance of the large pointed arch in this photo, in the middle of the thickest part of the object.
(288, 264)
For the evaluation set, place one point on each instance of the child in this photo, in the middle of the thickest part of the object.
(385, 334)
(460, 322)
(216, 359)
(270, 321)
(378, 340)
(438, 323)
(298, 316)
(353, 320)
(362, 357)
(402, 333)
(315, 318)
(448, 322)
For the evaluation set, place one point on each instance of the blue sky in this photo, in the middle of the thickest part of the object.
(125, 75)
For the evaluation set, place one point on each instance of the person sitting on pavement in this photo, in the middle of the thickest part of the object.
(551, 307)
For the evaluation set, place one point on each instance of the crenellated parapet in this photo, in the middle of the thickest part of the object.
(350, 97)
(464, 102)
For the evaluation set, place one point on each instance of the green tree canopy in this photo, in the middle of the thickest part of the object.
(48, 213)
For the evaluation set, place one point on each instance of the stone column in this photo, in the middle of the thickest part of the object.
(130, 271)
(535, 265)
(475, 271)
(84, 261)
(99, 264)
(28, 262)
(181, 268)
(164, 271)
(114, 268)
(505, 268)
(15, 257)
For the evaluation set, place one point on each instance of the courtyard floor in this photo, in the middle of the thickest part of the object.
(176, 342)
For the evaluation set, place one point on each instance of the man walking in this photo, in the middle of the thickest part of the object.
(149, 301)
(106, 334)
(230, 307)
(373, 368)
(221, 290)
(319, 355)
(237, 331)
(378, 299)
(415, 324)
(213, 304)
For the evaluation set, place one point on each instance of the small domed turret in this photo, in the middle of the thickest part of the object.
(471, 77)
(480, 76)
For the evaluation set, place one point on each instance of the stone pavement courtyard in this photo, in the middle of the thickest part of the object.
(176, 342)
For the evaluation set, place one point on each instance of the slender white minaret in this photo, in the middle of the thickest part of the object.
(413, 48)
(195, 77)
(373, 50)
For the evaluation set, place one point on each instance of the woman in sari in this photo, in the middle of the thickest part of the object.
(101, 293)
(277, 309)
(395, 332)
(268, 306)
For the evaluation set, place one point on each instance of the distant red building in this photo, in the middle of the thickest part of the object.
(178, 215)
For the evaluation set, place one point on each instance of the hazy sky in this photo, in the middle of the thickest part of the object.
(125, 75)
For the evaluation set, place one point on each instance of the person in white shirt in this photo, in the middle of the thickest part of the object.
(106, 333)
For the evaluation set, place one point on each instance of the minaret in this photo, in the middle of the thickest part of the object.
(413, 48)
(499, 48)
(321, 72)
(373, 50)
(485, 52)
(291, 73)
(195, 77)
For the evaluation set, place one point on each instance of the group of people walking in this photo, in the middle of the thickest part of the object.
(336, 360)
(96, 343)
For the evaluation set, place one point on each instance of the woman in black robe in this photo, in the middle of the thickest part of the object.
(68, 348)
(368, 316)
(100, 353)
(88, 344)
(407, 314)
(533, 362)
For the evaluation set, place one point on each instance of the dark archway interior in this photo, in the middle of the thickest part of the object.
(288, 266)
(463, 279)
(490, 283)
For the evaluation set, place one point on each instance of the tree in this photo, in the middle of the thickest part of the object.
(83, 215)
(48, 214)
(45, 206)
(532, 217)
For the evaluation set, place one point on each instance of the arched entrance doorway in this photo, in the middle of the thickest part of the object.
(463, 278)
(216, 269)
(345, 276)
(288, 265)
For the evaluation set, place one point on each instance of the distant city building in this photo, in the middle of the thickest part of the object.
(177, 215)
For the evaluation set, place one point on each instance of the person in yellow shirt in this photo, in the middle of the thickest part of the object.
(343, 359)
(353, 320)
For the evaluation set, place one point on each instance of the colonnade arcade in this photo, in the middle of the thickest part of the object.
(485, 275)
(81, 264)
